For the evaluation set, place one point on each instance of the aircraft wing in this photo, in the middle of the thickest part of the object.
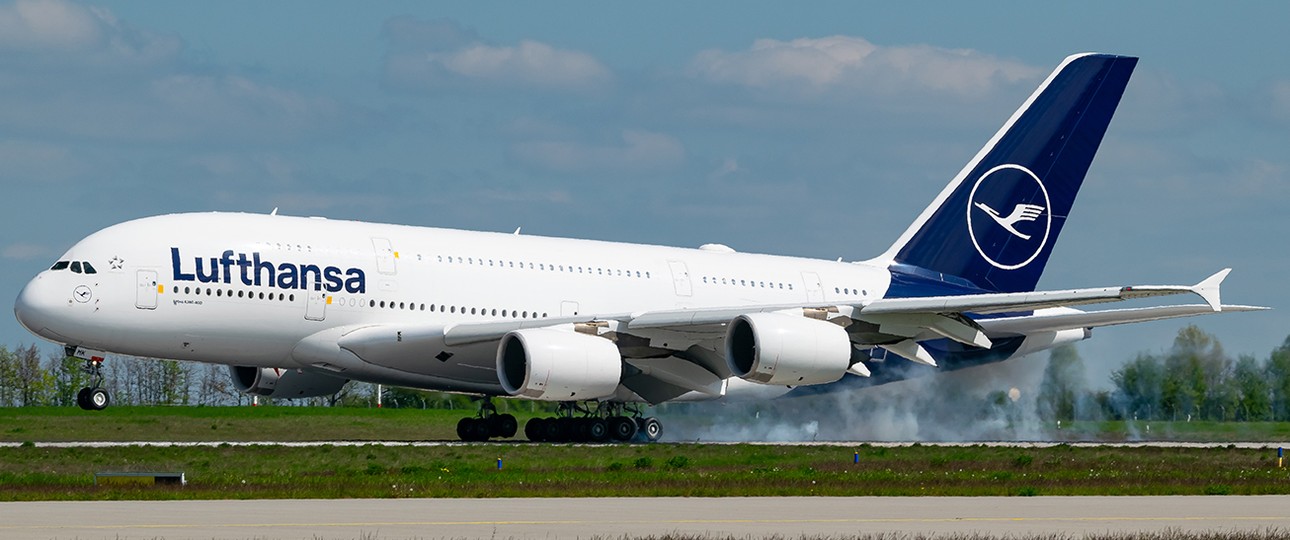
(675, 351)
(940, 315)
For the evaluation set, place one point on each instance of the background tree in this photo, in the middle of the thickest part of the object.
(8, 377)
(68, 378)
(1253, 390)
(1063, 384)
(1139, 387)
(1278, 371)
(34, 384)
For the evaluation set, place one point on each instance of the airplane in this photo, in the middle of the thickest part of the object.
(299, 306)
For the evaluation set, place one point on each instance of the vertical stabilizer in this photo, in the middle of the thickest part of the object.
(995, 224)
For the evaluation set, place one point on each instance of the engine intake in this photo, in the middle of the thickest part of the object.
(772, 348)
(283, 383)
(555, 365)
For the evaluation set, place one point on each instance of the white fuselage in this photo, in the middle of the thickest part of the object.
(186, 287)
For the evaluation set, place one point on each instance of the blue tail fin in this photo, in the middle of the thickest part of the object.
(995, 224)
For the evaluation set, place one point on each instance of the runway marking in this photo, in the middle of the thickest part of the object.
(650, 522)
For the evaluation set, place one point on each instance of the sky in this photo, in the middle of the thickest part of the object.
(816, 130)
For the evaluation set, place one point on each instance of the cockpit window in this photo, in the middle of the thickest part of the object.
(76, 267)
(88, 269)
(60, 265)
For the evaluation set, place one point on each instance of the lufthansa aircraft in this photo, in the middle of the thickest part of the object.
(299, 306)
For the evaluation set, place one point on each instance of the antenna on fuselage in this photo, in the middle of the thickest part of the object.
(274, 212)
(517, 231)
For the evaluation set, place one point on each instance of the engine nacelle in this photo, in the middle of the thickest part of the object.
(772, 348)
(555, 365)
(283, 383)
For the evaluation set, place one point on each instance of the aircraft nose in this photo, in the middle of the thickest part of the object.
(34, 308)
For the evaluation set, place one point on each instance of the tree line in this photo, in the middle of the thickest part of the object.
(1193, 380)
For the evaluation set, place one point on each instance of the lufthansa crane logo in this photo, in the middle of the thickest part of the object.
(1017, 205)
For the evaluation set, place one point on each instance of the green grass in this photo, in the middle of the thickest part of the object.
(541, 470)
(49, 424)
(29, 472)
(1198, 431)
(276, 423)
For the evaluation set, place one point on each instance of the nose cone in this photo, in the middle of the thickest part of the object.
(34, 307)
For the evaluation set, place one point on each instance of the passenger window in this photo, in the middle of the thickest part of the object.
(76, 267)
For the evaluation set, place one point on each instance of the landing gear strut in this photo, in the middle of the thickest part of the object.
(93, 397)
(606, 422)
(487, 424)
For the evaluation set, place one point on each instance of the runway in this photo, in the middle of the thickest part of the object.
(613, 517)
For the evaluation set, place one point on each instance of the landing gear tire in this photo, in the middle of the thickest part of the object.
(553, 430)
(472, 429)
(93, 399)
(535, 429)
(651, 428)
(622, 428)
(502, 425)
(99, 399)
(597, 430)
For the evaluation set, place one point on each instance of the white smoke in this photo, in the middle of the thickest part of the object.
(973, 404)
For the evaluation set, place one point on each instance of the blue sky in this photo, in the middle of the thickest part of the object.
(818, 130)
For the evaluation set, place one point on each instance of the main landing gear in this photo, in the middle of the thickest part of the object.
(94, 397)
(487, 424)
(607, 422)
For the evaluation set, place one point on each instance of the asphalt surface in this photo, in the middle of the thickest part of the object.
(383, 519)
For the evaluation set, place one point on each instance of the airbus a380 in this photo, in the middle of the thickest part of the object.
(299, 306)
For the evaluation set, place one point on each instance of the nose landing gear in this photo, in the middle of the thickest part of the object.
(93, 397)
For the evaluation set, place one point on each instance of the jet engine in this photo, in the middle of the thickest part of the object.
(283, 383)
(772, 348)
(556, 365)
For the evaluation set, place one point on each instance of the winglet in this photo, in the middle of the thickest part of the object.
(1208, 289)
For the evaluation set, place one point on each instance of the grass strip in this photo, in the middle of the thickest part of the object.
(692, 470)
(286, 424)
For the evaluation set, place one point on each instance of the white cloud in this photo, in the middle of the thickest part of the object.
(49, 24)
(815, 65)
(439, 53)
(530, 62)
(80, 34)
(640, 151)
